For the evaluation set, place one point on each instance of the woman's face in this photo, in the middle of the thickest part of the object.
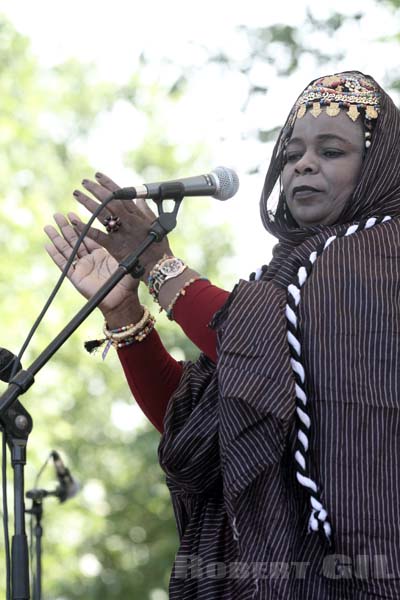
(324, 157)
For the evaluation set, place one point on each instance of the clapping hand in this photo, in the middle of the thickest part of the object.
(134, 222)
(93, 265)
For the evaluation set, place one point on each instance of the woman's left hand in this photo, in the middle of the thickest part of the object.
(135, 219)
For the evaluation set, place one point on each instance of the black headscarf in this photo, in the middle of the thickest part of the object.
(378, 189)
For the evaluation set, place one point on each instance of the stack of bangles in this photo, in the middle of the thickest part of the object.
(125, 335)
(167, 268)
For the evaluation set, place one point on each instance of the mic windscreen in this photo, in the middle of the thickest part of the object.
(228, 183)
(7, 359)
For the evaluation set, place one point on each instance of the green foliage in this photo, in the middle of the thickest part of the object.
(268, 135)
(393, 3)
(333, 23)
(283, 46)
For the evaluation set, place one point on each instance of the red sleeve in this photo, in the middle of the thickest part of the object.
(152, 374)
(194, 311)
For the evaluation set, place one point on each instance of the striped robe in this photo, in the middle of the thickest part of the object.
(227, 449)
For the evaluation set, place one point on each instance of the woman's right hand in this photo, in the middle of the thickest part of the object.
(94, 265)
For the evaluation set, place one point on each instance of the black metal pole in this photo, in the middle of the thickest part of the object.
(19, 547)
(37, 590)
(37, 497)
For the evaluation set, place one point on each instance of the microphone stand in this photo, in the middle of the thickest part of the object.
(17, 425)
(36, 510)
(15, 420)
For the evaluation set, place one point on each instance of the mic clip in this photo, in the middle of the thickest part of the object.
(166, 222)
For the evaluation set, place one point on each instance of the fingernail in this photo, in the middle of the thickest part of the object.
(84, 181)
(75, 193)
(74, 222)
(99, 175)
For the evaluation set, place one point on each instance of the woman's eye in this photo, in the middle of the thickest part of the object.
(293, 156)
(330, 153)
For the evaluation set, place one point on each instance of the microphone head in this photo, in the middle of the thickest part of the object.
(66, 492)
(68, 486)
(227, 183)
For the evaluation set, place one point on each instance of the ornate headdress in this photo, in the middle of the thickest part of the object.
(352, 91)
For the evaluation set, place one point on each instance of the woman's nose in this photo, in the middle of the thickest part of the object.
(308, 163)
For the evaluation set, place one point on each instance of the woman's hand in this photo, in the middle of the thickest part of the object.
(93, 267)
(135, 217)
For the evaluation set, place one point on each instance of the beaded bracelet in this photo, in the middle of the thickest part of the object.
(127, 330)
(182, 292)
(139, 337)
(125, 335)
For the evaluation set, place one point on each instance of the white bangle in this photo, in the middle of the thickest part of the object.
(120, 333)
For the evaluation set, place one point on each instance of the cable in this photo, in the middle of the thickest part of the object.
(59, 282)
(5, 516)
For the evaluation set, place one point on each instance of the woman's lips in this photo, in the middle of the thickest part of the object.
(304, 192)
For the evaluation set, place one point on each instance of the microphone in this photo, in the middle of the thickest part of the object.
(7, 360)
(222, 183)
(68, 486)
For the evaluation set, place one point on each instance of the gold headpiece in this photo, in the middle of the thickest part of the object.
(351, 91)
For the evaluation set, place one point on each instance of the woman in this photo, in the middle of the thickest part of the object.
(281, 448)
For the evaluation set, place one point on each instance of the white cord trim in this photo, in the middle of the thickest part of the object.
(294, 342)
(291, 315)
(313, 257)
(258, 274)
(300, 394)
(329, 241)
(307, 482)
(370, 223)
(305, 419)
(302, 275)
(298, 368)
(300, 459)
(303, 439)
(295, 293)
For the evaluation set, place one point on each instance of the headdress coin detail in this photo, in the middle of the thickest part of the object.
(350, 91)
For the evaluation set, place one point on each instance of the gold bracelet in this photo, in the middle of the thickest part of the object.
(182, 292)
